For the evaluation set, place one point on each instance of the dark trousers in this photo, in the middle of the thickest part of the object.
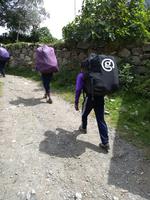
(98, 105)
(2, 67)
(46, 79)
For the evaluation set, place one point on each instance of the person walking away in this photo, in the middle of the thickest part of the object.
(46, 64)
(46, 80)
(4, 57)
(97, 104)
(92, 100)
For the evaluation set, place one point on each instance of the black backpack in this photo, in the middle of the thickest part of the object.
(101, 75)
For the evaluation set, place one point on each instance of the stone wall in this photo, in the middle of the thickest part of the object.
(23, 55)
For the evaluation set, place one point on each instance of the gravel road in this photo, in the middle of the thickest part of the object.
(44, 157)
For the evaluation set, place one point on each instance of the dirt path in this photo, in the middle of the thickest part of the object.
(43, 157)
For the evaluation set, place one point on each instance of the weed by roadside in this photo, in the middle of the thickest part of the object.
(25, 72)
(130, 115)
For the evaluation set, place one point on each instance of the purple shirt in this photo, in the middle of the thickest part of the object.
(79, 86)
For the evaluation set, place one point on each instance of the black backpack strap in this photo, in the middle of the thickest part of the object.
(84, 95)
(92, 89)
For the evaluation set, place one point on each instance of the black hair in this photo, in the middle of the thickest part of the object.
(85, 64)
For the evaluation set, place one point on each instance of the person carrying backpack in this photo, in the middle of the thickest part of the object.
(90, 81)
(46, 64)
(46, 79)
(4, 57)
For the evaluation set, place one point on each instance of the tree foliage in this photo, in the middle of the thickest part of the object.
(42, 35)
(21, 15)
(109, 20)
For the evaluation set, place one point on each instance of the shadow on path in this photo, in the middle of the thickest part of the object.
(129, 170)
(27, 102)
(38, 89)
(63, 143)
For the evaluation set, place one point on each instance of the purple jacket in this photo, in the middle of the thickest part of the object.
(4, 54)
(79, 86)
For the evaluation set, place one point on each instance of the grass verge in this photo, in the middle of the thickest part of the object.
(130, 115)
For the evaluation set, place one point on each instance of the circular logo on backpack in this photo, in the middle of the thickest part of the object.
(108, 64)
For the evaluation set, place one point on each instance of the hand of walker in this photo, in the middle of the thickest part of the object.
(76, 107)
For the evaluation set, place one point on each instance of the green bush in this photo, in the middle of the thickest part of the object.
(66, 78)
(142, 85)
(126, 76)
(113, 20)
(142, 82)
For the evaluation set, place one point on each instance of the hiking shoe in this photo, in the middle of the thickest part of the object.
(49, 101)
(45, 96)
(83, 130)
(104, 146)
